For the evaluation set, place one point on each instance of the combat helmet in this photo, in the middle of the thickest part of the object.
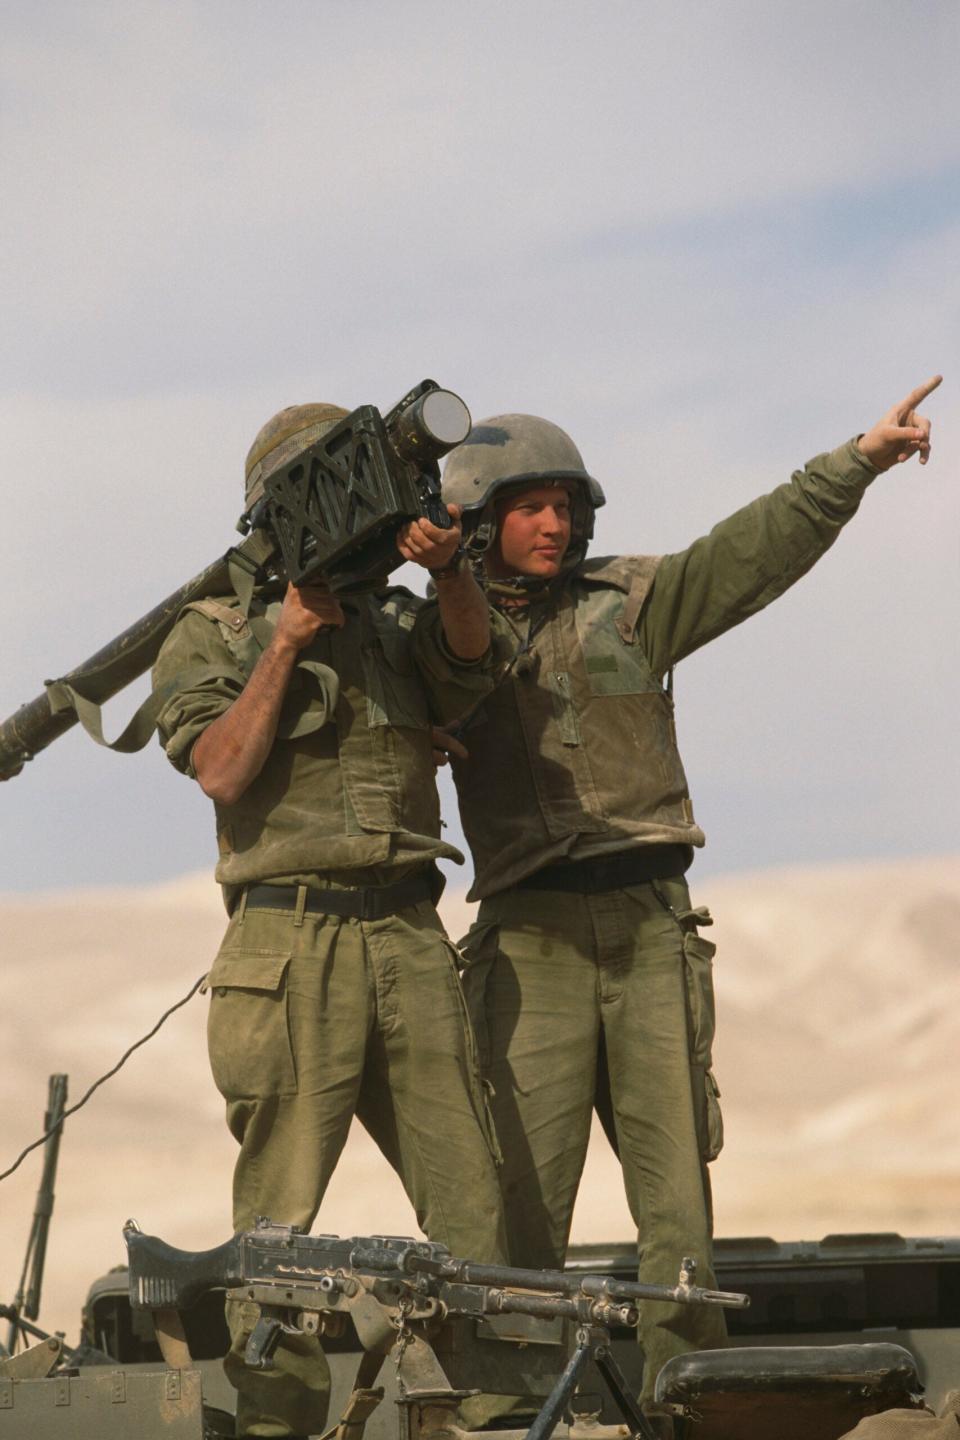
(281, 438)
(508, 452)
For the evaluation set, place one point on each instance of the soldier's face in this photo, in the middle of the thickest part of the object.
(533, 532)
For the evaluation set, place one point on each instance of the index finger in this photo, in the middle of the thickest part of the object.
(917, 397)
(434, 533)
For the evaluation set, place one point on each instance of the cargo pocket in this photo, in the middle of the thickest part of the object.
(248, 1034)
(698, 956)
(712, 1134)
(472, 1004)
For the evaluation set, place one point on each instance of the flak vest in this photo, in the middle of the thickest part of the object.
(576, 748)
(352, 765)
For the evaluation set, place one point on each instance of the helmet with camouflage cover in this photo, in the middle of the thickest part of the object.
(518, 452)
(282, 438)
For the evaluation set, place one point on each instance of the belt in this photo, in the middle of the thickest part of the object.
(610, 872)
(369, 903)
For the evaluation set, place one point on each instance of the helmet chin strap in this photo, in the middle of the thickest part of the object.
(521, 589)
(518, 587)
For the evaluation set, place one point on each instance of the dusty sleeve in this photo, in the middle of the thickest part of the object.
(197, 673)
(752, 557)
(455, 686)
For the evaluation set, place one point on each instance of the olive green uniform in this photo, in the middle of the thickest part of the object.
(314, 1018)
(574, 759)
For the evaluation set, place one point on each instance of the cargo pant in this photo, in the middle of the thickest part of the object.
(313, 1019)
(552, 979)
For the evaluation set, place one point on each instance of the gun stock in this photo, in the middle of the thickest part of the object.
(164, 1278)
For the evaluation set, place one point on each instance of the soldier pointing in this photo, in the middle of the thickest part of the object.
(587, 948)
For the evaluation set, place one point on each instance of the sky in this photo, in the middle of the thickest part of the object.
(709, 239)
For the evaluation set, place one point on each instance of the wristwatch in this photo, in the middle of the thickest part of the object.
(452, 567)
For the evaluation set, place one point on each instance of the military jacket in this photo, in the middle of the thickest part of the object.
(349, 782)
(575, 753)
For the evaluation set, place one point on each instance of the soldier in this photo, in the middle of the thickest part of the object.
(586, 953)
(306, 719)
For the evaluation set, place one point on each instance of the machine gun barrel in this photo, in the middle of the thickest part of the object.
(581, 1308)
(599, 1287)
(596, 1287)
(26, 1305)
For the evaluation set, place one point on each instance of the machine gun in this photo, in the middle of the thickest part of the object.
(333, 510)
(411, 1300)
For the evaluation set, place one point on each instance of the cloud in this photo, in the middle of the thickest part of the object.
(193, 183)
(709, 242)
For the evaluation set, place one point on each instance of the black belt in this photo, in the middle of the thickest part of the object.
(369, 903)
(611, 872)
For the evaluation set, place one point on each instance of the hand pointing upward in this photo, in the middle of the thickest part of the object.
(901, 432)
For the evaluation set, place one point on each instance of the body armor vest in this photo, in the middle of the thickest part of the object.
(575, 753)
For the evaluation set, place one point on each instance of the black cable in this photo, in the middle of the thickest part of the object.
(97, 1083)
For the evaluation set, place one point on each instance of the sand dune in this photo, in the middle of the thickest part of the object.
(839, 998)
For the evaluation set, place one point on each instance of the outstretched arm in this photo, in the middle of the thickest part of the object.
(231, 752)
(464, 613)
(902, 432)
(756, 554)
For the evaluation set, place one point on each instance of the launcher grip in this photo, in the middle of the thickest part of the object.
(436, 512)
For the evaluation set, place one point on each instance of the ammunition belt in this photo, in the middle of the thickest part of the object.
(611, 872)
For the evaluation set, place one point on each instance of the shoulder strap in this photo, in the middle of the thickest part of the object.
(246, 564)
(230, 615)
(64, 695)
(67, 694)
(639, 590)
(633, 574)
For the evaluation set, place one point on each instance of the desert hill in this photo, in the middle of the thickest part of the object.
(839, 1001)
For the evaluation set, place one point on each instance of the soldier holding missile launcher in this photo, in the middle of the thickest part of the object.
(303, 715)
